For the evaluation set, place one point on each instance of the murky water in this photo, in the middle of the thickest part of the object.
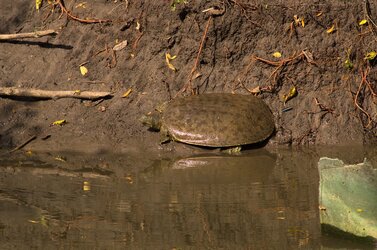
(257, 200)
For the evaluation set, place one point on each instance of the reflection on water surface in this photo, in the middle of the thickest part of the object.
(257, 200)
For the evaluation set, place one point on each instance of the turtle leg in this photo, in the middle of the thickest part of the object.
(164, 136)
(233, 150)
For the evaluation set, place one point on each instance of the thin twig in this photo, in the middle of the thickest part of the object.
(23, 144)
(367, 13)
(189, 82)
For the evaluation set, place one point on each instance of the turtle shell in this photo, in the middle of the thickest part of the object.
(218, 120)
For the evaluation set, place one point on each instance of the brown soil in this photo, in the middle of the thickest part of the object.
(226, 62)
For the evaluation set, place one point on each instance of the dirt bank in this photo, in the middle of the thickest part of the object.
(226, 49)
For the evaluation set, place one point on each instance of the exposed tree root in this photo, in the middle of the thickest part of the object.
(70, 15)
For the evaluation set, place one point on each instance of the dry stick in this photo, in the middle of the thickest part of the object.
(23, 144)
(35, 34)
(189, 82)
(50, 94)
(68, 13)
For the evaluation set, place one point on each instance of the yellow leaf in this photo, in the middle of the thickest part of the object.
(168, 57)
(302, 22)
(331, 30)
(297, 20)
(83, 70)
(60, 158)
(38, 4)
(319, 14)
(59, 123)
(359, 210)
(86, 186)
(370, 56)
(77, 92)
(127, 93)
(362, 22)
(348, 64)
(276, 54)
(129, 179)
(292, 93)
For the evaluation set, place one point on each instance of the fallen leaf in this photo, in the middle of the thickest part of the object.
(83, 70)
(331, 29)
(86, 186)
(60, 158)
(127, 93)
(137, 26)
(77, 92)
(59, 123)
(81, 5)
(302, 22)
(348, 64)
(129, 179)
(276, 54)
(370, 56)
(292, 93)
(38, 4)
(362, 22)
(319, 14)
(308, 55)
(256, 90)
(196, 75)
(297, 20)
(359, 210)
(168, 57)
(120, 45)
(174, 3)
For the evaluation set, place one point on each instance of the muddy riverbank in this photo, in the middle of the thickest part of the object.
(229, 48)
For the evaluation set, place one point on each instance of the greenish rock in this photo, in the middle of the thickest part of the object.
(348, 197)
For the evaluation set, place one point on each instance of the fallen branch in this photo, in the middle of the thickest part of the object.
(35, 34)
(51, 94)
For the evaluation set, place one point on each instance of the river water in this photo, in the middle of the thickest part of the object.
(257, 200)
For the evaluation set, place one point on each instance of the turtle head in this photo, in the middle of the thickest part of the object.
(151, 121)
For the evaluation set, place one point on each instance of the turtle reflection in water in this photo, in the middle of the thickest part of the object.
(214, 120)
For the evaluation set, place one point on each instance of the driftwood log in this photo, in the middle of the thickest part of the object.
(35, 34)
(51, 94)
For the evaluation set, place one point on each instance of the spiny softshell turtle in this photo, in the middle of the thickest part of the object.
(214, 120)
